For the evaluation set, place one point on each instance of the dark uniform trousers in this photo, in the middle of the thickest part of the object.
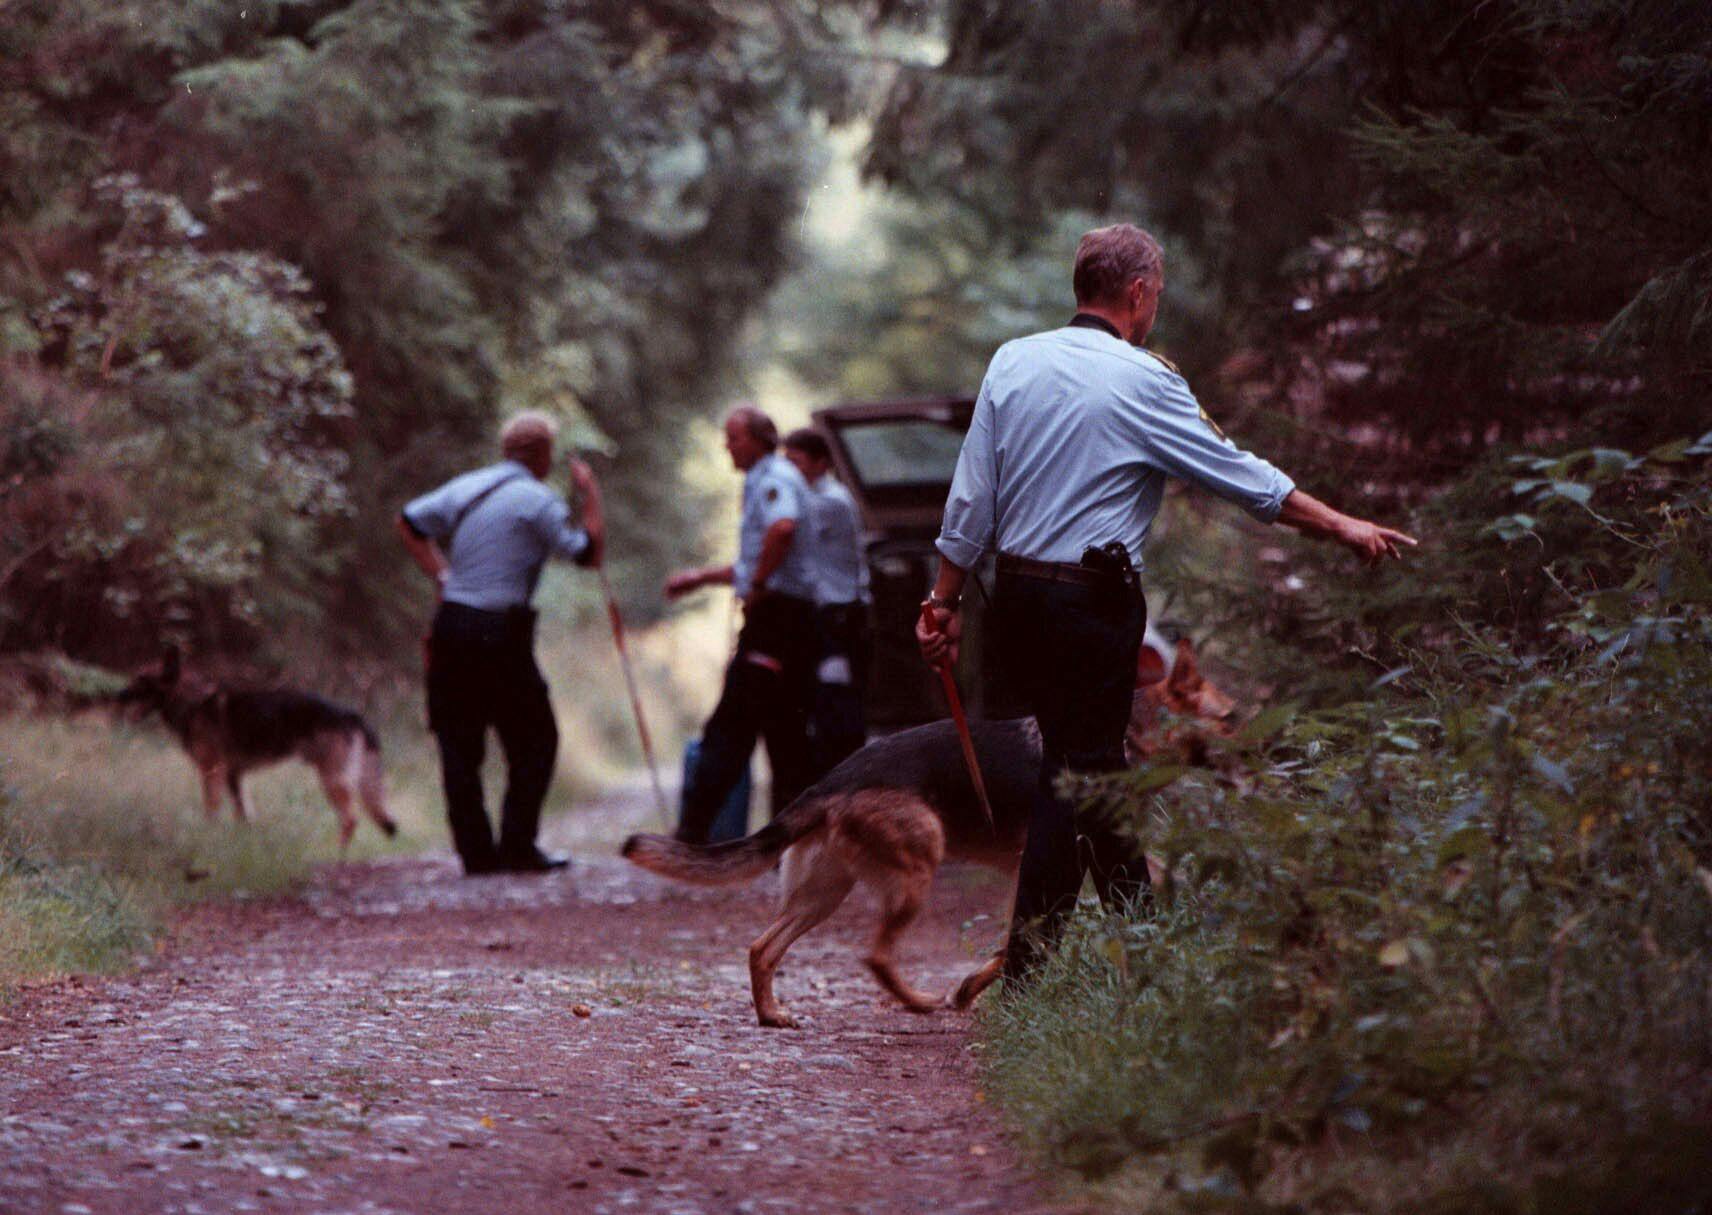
(767, 692)
(482, 673)
(838, 723)
(1073, 650)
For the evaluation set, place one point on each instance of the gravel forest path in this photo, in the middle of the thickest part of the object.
(396, 1038)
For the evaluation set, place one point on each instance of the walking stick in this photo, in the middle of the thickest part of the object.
(948, 682)
(635, 698)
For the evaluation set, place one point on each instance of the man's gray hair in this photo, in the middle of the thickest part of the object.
(757, 425)
(1109, 259)
(528, 431)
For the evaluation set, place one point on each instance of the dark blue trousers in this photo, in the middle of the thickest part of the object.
(482, 674)
(766, 695)
(1072, 650)
(838, 723)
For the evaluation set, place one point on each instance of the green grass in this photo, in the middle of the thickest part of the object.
(65, 919)
(1145, 1071)
(102, 831)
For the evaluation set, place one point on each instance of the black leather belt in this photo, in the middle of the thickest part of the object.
(1053, 571)
(460, 622)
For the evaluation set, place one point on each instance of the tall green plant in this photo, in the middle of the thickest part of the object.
(212, 440)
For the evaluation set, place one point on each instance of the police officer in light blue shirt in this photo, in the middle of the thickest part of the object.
(483, 538)
(769, 680)
(1073, 436)
(837, 722)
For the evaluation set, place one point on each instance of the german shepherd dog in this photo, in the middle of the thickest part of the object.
(890, 813)
(229, 730)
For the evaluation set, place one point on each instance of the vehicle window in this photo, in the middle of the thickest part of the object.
(907, 452)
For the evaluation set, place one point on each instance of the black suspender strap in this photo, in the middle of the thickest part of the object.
(452, 535)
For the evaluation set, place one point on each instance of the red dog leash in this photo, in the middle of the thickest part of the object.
(948, 682)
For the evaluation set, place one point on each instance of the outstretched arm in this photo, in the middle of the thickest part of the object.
(685, 581)
(1371, 542)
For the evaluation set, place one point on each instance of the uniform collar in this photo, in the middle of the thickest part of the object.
(765, 467)
(1087, 320)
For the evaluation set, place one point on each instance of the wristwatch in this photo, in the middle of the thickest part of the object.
(943, 605)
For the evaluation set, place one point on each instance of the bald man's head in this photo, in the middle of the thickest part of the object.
(528, 438)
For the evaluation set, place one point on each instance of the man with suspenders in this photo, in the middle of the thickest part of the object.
(483, 538)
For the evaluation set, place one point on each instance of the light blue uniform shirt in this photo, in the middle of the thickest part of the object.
(772, 490)
(834, 539)
(1073, 435)
(502, 543)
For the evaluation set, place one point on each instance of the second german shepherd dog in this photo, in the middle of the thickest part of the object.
(889, 814)
(228, 730)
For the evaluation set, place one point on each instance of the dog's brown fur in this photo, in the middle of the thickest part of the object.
(888, 816)
(228, 731)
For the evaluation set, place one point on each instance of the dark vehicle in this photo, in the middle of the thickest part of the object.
(897, 457)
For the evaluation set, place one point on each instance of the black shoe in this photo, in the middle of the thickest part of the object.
(533, 861)
(483, 867)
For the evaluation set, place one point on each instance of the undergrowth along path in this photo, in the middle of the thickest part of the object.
(396, 1038)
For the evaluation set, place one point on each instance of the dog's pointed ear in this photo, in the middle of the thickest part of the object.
(1184, 673)
(1149, 667)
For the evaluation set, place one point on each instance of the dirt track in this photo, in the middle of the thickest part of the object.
(400, 1039)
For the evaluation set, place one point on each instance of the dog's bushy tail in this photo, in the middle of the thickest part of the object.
(732, 862)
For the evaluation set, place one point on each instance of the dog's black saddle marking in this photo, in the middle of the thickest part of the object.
(928, 760)
(271, 723)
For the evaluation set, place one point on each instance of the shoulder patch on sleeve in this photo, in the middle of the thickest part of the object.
(772, 494)
(1173, 368)
(1211, 425)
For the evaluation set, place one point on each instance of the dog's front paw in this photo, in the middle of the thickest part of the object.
(777, 1019)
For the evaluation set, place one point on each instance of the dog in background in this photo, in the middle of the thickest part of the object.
(892, 812)
(227, 731)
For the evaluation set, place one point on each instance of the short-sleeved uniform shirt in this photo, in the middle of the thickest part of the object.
(835, 544)
(1072, 438)
(502, 540)
(773, 489)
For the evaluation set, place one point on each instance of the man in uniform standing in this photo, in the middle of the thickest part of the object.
(1074, 432)
(483, 538)
(836, 720)
(767, 683)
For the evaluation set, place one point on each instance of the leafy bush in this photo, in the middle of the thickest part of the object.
(1447, 946)
(200, 474)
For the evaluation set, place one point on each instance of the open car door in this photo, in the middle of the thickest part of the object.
(897, 458)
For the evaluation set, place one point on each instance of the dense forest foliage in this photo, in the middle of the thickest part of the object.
(1414, 229)
(270, 269)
